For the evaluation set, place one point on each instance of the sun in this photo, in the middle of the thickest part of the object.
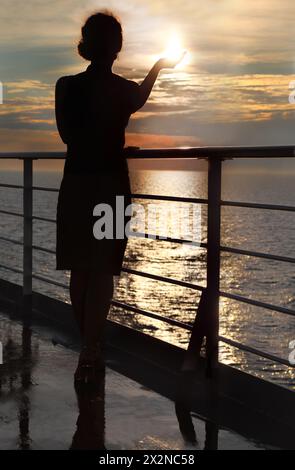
(174, 50)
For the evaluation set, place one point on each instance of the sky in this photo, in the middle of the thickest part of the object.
(233, 91)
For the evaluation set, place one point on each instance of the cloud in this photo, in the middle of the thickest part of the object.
(180, 105)
(222, 34)
(234, 91)
(33, 141)
(159, 140)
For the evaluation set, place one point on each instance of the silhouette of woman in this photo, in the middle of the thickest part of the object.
(92, 111)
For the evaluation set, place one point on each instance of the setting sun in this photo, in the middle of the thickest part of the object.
(175, 50)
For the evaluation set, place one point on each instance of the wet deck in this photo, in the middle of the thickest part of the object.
(39, 406)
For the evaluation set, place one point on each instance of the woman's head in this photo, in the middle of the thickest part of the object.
(101, 38)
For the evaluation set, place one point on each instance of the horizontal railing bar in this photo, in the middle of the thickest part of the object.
(254, 205)
(9, 268)
(49, 281)
(151, 236)
(156, 197)
(43, 219)
(46, 250)
(195, 287)
(248, 205)
(11, 240)
(43, 188)
(13, 186)
(255, 351)
(213, 152)
(178, 199)
(33, 155)
(121, 305)
(181, 283)
(142, 196)
(15, 214)
(258, 303)
(255, 254)
(225, 249)
(177, 152)
(145, 313)
(188, 327)
(167, 280)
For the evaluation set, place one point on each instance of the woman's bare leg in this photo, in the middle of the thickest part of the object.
(96, 307)
(78, 289)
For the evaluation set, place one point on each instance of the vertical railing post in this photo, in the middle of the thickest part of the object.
(206, 323)
(213, 259)
(27, 232)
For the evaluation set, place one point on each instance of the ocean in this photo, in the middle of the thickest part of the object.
(250, 229)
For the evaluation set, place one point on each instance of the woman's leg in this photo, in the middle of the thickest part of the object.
(78, 289)
(96, 307)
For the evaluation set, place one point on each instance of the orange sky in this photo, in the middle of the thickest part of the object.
(234, 91)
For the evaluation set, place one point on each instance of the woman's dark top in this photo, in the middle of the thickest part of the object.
(96, 108)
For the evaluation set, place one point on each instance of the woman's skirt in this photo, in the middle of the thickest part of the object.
(91, 221)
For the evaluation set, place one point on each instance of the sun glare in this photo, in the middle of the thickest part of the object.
(175, 49)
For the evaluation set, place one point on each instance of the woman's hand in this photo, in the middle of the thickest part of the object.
(146, 87)
(166, 63)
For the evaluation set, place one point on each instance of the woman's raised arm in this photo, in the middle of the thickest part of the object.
(149, 81)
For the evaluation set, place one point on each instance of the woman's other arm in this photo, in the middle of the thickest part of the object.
(60, 114)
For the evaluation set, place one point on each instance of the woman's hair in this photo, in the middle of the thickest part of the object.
(101, 37)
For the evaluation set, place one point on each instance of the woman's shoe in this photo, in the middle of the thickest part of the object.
(91, 365)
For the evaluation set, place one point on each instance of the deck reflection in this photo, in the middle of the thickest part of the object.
(40, 409)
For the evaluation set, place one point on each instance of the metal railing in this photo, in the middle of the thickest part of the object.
(206, 323)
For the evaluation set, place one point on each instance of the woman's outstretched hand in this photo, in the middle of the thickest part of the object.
(167, 63)
(146, 87)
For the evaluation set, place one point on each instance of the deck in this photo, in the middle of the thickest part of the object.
(39, 406)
